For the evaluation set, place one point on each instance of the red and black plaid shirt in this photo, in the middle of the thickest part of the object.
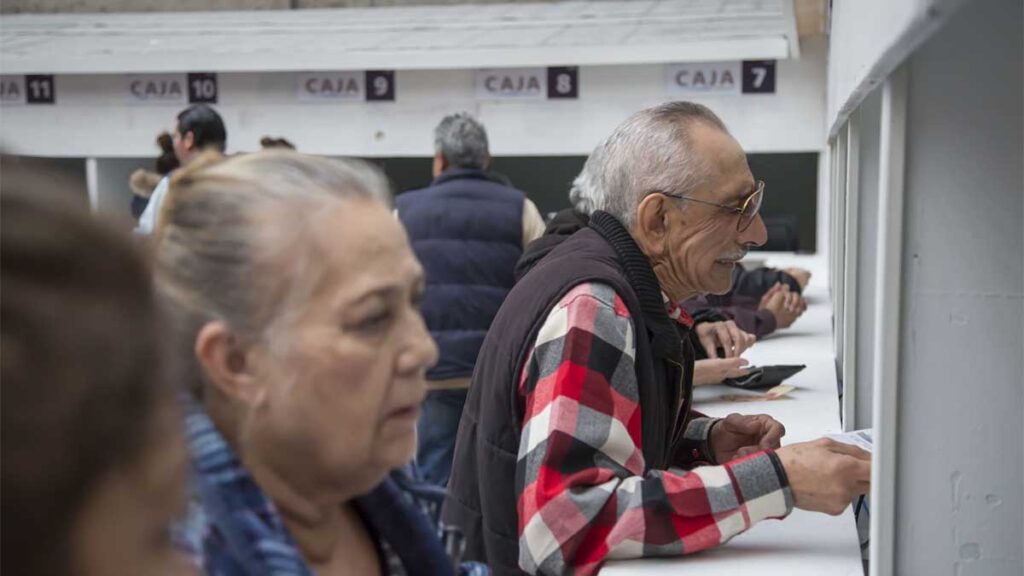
(582, 494)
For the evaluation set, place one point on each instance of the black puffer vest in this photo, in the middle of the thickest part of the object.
(467, 231)
(481, 493)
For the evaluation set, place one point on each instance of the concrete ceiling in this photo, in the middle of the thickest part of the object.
(403, 37)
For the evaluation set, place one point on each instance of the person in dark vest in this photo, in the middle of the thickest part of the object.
(468, 230)
(577, 442)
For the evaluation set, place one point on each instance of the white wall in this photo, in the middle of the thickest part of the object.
(868, 120)
(113, 194)
(960, 471)
(91, 117)
(939, 278)
(869, 39)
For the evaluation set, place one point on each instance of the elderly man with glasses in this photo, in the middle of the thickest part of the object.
(577, 442)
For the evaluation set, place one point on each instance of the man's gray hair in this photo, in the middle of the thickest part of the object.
(462, 141)
(652, 151)
(581, 194)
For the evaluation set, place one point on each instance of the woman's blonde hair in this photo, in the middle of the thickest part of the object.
(233, 241)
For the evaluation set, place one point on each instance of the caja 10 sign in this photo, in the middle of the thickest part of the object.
(191, 88)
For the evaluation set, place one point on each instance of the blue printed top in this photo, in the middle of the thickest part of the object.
(235, 530)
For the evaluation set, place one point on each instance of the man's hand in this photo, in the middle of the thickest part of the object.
(714, 371)
(725, 335)
(801, 276)
(784, 304)
(825, 475)
(738, 435)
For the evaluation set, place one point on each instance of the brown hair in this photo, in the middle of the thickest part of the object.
(269, 142)
(80, 364)
(167, 160)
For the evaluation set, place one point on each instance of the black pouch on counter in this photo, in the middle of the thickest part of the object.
(764, 376)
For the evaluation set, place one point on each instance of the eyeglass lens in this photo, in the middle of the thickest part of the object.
(750, 208)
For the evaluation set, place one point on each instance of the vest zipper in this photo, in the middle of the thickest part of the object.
(677, 404)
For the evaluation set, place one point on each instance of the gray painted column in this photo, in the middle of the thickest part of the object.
(869, 117)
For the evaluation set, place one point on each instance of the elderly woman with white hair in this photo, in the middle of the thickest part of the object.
(295, 295)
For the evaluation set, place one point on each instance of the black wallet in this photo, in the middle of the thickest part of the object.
(764, 376)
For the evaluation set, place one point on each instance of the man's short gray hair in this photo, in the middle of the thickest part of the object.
(462, 141)
(581, 194)
(652, 151)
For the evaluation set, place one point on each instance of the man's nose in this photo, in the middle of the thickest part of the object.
(756, 234)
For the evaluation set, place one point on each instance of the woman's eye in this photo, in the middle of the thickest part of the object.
(374, 322)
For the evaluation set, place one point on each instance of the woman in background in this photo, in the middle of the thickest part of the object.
(143, 182)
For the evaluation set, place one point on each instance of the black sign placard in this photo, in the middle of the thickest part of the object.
(563, 82)
(40, 89)
(380, 85)
(202, 88)
(759, 76)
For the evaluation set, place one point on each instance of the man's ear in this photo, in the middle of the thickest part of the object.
(225, 362)
(651, 227)
(188, 140)
(440, 164)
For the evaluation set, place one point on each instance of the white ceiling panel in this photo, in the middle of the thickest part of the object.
(591, 32)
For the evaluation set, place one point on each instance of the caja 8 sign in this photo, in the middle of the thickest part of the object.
(563, 82)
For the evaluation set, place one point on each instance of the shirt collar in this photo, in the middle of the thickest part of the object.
(456, 173)
(676, 312)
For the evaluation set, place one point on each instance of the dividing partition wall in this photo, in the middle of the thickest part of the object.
(927, 267)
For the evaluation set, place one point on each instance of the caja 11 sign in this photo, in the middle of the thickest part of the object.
(28, 89)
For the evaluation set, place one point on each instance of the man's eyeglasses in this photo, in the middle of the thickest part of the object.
(747, 211)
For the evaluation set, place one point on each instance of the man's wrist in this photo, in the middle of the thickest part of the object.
(696, 441)
(762, 480)
(708, 446)
(769, 323)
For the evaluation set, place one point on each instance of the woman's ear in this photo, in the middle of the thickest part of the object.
(651, 228)
(225, 363)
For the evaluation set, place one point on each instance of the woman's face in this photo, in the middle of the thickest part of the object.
(342, 375)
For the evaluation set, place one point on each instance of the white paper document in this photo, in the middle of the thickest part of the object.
(859, 438)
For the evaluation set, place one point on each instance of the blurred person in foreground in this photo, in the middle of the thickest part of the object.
(94, 462)
(295, 298)
(577, 443)
(198, 128)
